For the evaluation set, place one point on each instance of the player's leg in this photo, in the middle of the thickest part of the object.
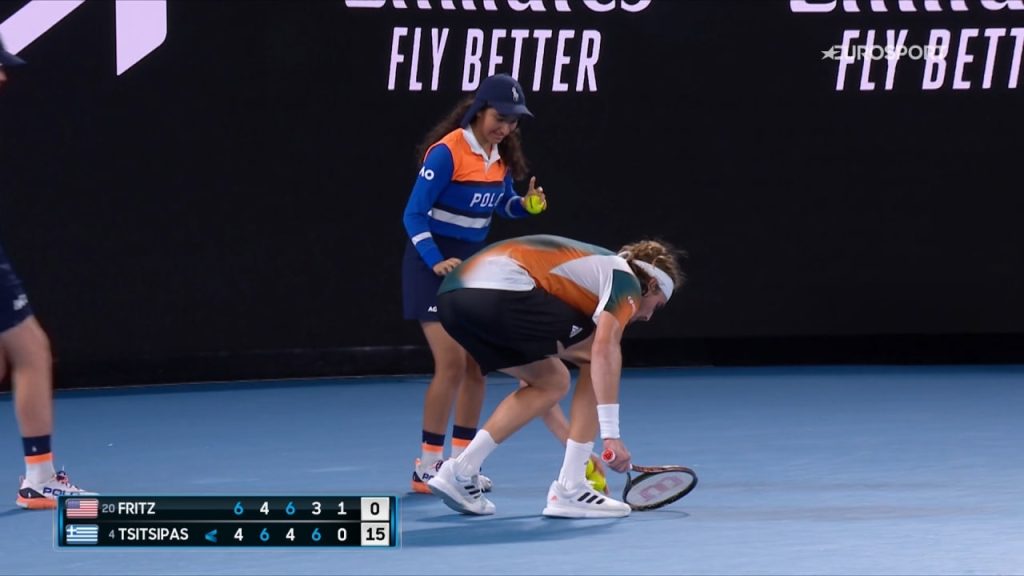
(468, 404)
(456, 481)
(27, 351)
(558, 425)
(572, 495)
(548, 381)
(555, 420)
(449, 371)
(503, 330)
(535, 326)
(583, 427)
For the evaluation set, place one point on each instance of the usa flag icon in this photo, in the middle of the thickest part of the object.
(82, 533)
(84, 508)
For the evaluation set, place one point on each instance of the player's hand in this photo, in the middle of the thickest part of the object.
(620, 456)
(443, 267)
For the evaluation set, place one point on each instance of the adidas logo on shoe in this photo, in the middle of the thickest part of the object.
(582, 502)
(460, 493)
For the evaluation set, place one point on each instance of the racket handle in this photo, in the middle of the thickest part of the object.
(608, 455)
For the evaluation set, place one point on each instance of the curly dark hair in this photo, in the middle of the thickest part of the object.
(511, 148)
(658, 253)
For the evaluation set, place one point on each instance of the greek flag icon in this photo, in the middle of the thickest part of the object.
(82, 533)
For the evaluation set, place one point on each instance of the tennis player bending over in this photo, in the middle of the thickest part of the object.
(522, 305)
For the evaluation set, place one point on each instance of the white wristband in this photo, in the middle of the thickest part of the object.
(608, 416)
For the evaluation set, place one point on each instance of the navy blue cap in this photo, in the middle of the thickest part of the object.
(8, 59)
(501, 92)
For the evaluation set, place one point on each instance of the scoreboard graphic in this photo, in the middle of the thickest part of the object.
(358, 521)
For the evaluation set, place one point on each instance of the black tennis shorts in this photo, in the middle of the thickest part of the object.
(503, 329)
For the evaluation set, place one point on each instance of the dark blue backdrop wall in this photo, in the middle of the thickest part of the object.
(226, 200)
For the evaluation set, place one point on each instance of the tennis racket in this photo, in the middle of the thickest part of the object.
(655, 486)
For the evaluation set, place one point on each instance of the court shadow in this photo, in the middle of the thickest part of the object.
(412, 500)
(14, 511)
(462, 530)
(658, 515)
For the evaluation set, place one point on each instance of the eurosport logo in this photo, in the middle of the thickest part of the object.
(925, 44)
(876, 52)
(141, 26)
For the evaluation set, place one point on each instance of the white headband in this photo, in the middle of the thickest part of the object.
(664, 280)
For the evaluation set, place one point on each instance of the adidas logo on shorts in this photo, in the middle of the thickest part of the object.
(574, 331)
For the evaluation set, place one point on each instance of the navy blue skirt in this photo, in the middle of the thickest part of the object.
(420, 284)
(14, 308)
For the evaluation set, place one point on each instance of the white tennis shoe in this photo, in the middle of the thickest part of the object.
(582, 502)
(485, 483)
(43, 496)
(460, 493)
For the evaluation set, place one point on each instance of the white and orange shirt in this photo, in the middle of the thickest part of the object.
(589, 278)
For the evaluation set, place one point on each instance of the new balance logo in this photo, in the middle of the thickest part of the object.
(20, 302)
(574, 331)
(432, 309)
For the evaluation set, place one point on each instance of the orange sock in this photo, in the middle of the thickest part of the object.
(431, 452)
(461, 437)
(459, 446)
(39, 467)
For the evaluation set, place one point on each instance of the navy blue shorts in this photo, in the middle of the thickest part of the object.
(420, 284)
(14, 308)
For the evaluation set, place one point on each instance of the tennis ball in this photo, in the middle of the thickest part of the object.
(595, 478)
(534, 203)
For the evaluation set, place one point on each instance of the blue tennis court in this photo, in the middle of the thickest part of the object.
(838, 470)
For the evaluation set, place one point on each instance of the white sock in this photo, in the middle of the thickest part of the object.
(39, 472)
(468, 463)
(574, 465)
